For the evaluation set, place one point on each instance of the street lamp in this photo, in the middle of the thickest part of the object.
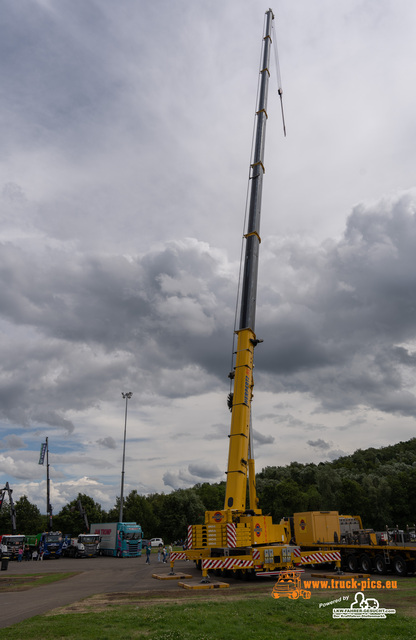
(127, 397)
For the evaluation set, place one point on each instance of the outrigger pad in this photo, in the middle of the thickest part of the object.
(172, 576)
(204, 585)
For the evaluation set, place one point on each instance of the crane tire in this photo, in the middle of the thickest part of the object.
(352, 563)
(380, 565)
(365, 563)
(399, 566)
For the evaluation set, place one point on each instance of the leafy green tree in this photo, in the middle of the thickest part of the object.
(70, 521)
(211, 495)
(350, 497)
(328, 481)
(113, 514)
(139, 509)
(403, 488)
(280, 499)
(313, 498)
(28, 517)
(5, 519)
(180, 508)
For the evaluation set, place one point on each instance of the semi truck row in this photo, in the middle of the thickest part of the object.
(119, 539)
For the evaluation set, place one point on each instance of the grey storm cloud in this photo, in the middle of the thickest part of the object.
(342, 327)
(337, 320)
(195, 472)
(81, 323)
(206, 471)
(108, 442)
(319, 444)
(259, 438)
(12, 442)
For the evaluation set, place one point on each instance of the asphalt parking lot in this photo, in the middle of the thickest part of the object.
(96, 575)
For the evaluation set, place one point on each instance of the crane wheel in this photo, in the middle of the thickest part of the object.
(365, 563)
(380, 565)
(352, 563)
(399, 566)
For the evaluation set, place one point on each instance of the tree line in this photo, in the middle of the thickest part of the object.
(377, 484)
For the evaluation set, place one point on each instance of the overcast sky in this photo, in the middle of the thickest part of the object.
(126, 131)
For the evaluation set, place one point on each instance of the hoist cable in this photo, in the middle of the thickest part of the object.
(279, 79)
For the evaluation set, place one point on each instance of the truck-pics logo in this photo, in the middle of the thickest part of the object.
(289, 585)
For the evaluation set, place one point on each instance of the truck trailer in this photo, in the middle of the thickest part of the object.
(120, 539)
(392, 550)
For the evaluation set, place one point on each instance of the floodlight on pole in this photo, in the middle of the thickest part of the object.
(127, 397)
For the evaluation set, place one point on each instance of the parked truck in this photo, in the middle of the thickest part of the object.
(366, 550)
(10, 545)
(86, 545)
(120, 539)
(47, 544)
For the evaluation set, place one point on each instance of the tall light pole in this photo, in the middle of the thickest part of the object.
(127, 397)
(44, 449)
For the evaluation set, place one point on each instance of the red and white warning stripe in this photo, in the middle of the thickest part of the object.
(189, 541)
(177, 555)
(318, 557)
(231, 535)
(256, 554)
(227, 563)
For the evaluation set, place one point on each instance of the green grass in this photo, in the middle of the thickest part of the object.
(29, 581)
(219, 618)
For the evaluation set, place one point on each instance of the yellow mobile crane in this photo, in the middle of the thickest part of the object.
(236, 538)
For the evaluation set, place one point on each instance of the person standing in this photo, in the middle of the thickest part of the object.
(20, 554)
(148, 551)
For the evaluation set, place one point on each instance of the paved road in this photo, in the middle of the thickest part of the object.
(97, 575)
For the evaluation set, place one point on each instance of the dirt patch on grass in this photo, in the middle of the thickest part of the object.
(18, 583)
(23, 583)
(102, 601)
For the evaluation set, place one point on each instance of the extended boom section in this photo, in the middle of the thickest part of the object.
(238, 458)
(236, 489)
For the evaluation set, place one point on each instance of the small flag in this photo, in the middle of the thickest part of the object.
(42, 453)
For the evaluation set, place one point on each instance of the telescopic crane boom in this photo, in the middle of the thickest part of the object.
(236, 538)
(236, 489)
(236, 531)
